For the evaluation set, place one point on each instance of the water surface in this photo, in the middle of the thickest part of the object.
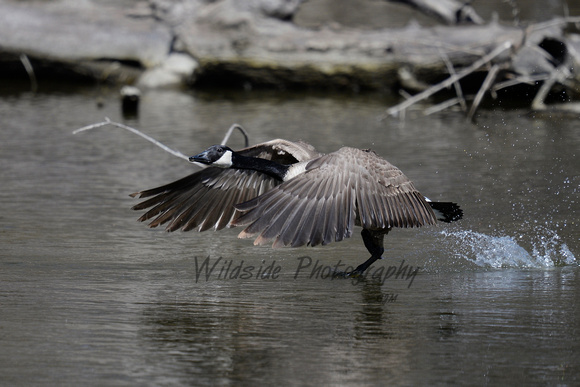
(90, 296)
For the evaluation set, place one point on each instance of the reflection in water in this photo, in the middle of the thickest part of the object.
(370, 320)
(448, 326)
(215, 340)
(206, 345)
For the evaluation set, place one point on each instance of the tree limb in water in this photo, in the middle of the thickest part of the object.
(174, 152)
(451, 80)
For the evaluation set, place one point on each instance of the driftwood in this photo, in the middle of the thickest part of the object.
(553, 65)
(448, 11)
(451, 80)
(159, 144)
(241, 46)
(255, 43)
(80, 38)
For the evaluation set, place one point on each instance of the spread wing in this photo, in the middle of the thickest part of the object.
(336, 192)
(206, 199)
(202, 200)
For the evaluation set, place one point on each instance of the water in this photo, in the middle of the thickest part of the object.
(502, 252)
(88, 296)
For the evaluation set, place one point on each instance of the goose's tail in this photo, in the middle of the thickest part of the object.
(446, 211)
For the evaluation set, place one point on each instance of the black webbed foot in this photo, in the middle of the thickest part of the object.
(374, 243)
(364, 266)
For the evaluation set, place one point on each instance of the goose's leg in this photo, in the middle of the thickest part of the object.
(373, 241)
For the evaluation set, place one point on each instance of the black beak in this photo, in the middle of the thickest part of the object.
(200, 158)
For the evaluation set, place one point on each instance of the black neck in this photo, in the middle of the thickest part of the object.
(268, 167)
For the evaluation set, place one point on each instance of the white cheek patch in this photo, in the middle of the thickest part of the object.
(225, 161)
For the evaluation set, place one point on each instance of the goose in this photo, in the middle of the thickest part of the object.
(289, 194)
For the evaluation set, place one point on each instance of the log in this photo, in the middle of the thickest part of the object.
(255, 43)
(81, 37)
(241, 47)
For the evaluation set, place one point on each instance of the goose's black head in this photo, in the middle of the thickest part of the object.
(216, 156)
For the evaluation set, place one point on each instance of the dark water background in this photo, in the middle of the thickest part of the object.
(89, 296)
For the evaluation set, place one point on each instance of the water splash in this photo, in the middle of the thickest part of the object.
(547, 249)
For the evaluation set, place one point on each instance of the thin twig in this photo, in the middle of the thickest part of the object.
(529, 80)
(558, 75)
(443, 105)
(405, 94)
(456, 84)
(554, 23)
(485, 86)
(229, 133)
(159, 144)
(449, 81)
(30, 71)
(137, 132)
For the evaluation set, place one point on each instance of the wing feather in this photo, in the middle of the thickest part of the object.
(320, 206)
(336, 192)
(206, 199)
(202, 200)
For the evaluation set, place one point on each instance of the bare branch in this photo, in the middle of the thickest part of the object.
(456, 84)
(30, 71)
(443, 105)
(230, 131)
(485, 86)
(558, 75)
(449, 81)
(159, 144)
(137, 132)
(527, 79)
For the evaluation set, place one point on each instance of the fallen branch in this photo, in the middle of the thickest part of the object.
(230, 131)
(30, 71)
(485, 86)
(456, 84)
(528, 80)
(159, 144)
(135, 131)
(443, 105)
(554, 23)
(558, 76)
(449, 81)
